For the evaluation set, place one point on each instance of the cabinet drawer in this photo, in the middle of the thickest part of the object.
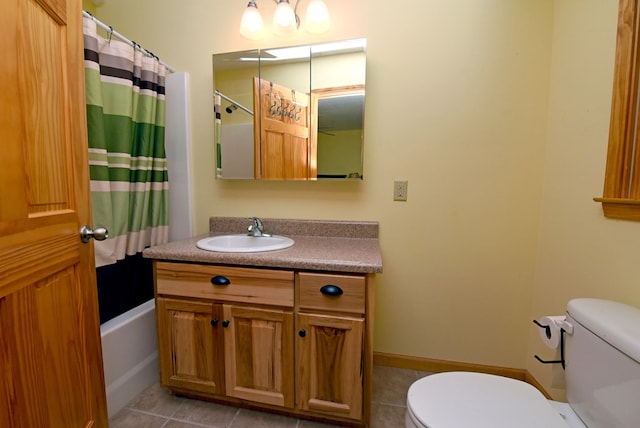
(341, 293)
(232, 284)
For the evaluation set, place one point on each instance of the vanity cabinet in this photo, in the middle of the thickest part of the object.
(258, 351)
(289, 340)
(186, 333)
(223, 340)
(330, 341)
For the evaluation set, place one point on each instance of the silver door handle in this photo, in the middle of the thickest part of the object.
(86, 233)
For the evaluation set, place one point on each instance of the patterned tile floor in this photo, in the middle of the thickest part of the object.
(155, 408)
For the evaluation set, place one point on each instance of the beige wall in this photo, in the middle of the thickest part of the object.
(89, 6)
(580, 253)
(502, 140)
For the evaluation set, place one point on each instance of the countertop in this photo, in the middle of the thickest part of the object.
(337, 246)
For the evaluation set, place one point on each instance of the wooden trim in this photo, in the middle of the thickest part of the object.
(621, 193)
(623, 209)
(438, 366)
(623, 106)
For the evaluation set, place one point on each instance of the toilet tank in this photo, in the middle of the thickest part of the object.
(603, 363)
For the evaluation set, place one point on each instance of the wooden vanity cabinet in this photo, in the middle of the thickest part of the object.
(216, 334)
(298, 341)
(189, 345)
(330, 344)
(258, 345)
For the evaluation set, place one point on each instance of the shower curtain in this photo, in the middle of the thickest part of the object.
(128, 170)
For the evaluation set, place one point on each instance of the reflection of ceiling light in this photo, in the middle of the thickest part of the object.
(289, 53)
(285, 19)
(300, 52)
(341, 46)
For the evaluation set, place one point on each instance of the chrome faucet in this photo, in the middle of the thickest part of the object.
(256, 228)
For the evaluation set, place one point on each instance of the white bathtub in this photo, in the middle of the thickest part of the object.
(129, 354)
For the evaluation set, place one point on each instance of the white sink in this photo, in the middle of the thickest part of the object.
(244, 243)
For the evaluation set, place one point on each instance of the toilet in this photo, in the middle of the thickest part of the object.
(602, 372)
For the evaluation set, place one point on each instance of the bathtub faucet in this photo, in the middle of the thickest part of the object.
(256, 228)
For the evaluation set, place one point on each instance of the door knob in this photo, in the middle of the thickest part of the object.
(86, 233)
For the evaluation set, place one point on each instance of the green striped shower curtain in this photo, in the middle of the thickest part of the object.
(128, 169)
(125, 92)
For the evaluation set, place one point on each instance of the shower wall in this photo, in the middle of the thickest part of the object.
(178, 148)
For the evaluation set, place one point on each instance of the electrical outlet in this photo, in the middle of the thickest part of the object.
(400, 190)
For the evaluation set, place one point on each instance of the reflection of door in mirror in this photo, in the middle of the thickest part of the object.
(283, 150)
(337, 117)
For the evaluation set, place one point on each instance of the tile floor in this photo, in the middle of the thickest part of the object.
(155, 408)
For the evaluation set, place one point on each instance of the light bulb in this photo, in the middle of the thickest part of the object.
(284, 19)
(318, 20)
(251, 25)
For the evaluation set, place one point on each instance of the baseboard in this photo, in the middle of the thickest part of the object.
(437, 366)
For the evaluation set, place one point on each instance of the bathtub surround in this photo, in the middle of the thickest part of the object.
(178, 146)
(129, 354)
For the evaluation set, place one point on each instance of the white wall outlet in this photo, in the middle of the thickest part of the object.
(400, 190)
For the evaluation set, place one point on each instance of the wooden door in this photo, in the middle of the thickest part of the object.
(50, 353)
(281, 127)
(190, 345)
(330, 365)
(259, 354)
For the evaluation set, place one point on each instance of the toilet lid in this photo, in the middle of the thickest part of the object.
(465, 399)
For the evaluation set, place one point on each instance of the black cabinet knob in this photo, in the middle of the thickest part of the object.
(331, 290)
(214, 322)
(302, 333)
(220, 280)
(226, 323)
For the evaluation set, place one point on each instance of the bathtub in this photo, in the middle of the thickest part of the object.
(129, 355)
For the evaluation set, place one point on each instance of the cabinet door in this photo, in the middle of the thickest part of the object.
(259, 354)
(190, 345)
(330, 365)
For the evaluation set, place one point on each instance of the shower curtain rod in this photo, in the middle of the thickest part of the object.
(240, 106)
(113, 32)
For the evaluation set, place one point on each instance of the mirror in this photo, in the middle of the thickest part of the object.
(294, 113)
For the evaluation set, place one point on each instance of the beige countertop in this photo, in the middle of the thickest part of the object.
(319, 245)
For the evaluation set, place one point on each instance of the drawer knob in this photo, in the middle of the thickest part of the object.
(226, 323)
(302, 333)
(214, 322)
(331, 290)
(220, 280)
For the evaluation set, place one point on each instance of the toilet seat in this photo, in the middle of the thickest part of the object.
(466, 399)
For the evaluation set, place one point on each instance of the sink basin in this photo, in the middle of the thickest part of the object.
(244, 243)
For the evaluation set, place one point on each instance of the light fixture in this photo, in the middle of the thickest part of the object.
(317, 17)
(251, 25)
(285, 19)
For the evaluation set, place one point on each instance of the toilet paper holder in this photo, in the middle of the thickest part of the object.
(548, 334)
